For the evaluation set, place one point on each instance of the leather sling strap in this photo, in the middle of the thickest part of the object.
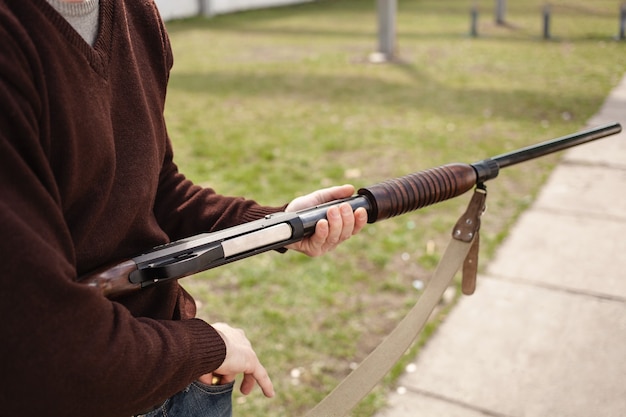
(365, 377)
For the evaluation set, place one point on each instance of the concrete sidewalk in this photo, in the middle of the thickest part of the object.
(545, 333)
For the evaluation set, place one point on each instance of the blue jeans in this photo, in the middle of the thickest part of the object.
(196, 400)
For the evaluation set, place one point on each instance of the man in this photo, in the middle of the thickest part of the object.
(87, 178)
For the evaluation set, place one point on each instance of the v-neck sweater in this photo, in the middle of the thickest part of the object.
(87, 178)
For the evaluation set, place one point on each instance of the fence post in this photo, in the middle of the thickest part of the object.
(474, 21)
(205, 8)
(500, 11)
(622, 22)
(546, 21)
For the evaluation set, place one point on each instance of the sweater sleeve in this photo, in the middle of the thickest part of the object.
(76, 350)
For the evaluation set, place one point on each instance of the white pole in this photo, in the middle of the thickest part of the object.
(387, 10)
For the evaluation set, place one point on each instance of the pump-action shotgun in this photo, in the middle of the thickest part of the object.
(382, 201)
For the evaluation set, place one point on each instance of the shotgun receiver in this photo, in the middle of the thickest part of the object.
(382, 201)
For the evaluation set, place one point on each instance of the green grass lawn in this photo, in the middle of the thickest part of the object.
(271, 104)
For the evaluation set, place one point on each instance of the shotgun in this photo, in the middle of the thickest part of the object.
(384, 200)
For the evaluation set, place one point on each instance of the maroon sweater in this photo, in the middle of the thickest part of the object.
(87, 178)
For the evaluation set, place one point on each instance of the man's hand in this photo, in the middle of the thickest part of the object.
(341, 224)
(240, 359)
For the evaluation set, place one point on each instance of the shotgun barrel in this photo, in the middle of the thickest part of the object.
(414, 191)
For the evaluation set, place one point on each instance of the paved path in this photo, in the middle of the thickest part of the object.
(545, 333)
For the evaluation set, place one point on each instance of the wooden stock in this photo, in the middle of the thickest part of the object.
(112, 281)
(401, 195)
